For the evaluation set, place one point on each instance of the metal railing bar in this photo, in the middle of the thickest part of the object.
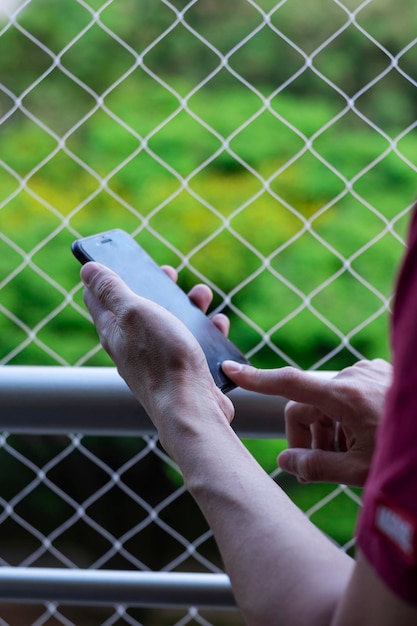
(110, 587)
(95, 400)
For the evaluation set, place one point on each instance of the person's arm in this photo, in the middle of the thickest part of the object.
(367, 601)
(330, 422)
(282, 569)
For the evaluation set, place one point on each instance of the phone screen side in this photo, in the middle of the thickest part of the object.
(79, 253)
(121, 253)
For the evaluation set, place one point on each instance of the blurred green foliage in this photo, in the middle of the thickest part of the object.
(261, 239)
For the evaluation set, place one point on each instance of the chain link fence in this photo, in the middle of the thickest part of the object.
(266, 148)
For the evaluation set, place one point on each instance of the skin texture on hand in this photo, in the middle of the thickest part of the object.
(283, 570)
(331, 422)
(167, 371)
(154, 352)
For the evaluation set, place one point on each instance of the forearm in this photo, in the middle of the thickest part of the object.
(283, 570)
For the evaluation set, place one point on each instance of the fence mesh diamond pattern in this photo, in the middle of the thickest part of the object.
(266, 148)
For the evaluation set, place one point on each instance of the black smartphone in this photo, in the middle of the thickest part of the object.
(117, 250)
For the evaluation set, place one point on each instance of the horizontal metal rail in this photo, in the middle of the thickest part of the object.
(95, 400)
(109, 587)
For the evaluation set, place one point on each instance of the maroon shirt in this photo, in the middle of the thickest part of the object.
(387, 530)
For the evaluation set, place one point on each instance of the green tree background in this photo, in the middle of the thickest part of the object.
(75, 162)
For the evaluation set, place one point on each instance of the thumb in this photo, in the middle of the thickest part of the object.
(106, 286)
(321, 466)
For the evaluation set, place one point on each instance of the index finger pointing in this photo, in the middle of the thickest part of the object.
(289, 382)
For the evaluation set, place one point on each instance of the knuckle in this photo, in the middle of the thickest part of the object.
(363, 363)
(289, 380)
(289, 373)
(128, 313)
(104, 288)
(293, 415)
(309, 468)
(290, 409)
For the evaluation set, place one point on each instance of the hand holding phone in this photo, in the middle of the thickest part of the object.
(122, 254)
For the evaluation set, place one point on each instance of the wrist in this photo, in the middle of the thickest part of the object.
(185, 418)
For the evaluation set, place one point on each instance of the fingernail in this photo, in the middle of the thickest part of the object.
(232, 367)
(285, 461)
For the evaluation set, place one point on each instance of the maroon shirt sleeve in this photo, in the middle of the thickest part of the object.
(387, 530)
